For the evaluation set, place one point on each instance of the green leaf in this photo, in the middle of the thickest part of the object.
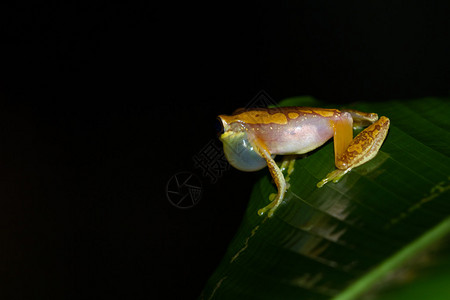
(360, 238)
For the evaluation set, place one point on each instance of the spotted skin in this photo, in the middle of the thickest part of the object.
(297, 130)
(279, 115)
(365, 145)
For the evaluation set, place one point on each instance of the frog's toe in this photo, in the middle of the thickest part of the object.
(334, 176)
(265, 209)
(273, 196)
(269, 209)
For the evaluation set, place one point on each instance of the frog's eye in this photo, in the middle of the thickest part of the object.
(240, 153)
(219, 126)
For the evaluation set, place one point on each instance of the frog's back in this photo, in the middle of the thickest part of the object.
(289, 130)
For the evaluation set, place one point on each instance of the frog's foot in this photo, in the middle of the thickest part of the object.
(275, 201)
(263, 210)
(334, 176)
(287, 165)
(269, 209)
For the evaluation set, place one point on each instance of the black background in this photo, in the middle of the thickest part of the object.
(101, 104)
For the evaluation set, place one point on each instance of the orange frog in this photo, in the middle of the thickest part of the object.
(252, 138)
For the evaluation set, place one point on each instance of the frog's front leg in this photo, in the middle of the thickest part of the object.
(351, 153)
(277, 176)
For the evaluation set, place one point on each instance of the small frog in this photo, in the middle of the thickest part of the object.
(252, 138)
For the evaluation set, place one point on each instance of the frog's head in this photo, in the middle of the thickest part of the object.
(237, 146)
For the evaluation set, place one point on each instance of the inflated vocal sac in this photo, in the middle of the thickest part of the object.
(240, 153)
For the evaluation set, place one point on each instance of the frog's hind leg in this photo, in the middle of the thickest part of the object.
(365, 145)
(351, 153)
(361, 119)
(343, 135)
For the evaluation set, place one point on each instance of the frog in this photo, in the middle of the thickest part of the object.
(252, 138)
